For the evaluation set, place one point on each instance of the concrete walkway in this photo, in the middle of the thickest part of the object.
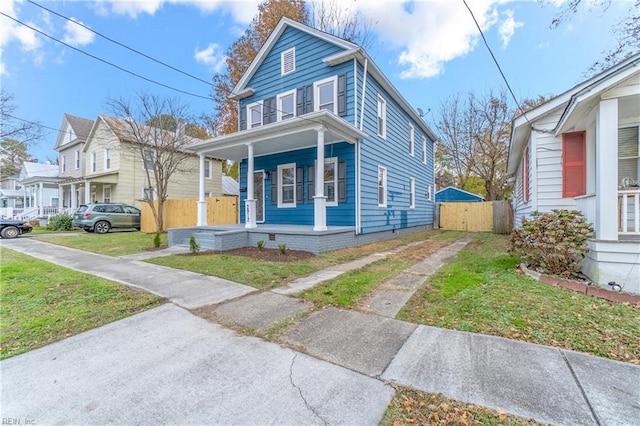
(544, 383)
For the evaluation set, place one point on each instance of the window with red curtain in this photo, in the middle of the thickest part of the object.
(574, 164)
(525, 175)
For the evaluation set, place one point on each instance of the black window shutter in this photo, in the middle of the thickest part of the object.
(273, 117)
(342, 95)
(311, 188)
(300, 101)
(274, 187)
(243, 118)
(308, 100)
(342, 181)
(299, 187)
(269, 111)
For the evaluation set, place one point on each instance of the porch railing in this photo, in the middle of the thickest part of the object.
(586, 204)
(629, 212)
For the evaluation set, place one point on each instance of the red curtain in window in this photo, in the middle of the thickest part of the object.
(525, 175)
(574, 164)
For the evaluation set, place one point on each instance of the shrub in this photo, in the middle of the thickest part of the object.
(156, 240)
(194, 247)
(554, 243)
(260, 244)
(282, 247)
(60, 222)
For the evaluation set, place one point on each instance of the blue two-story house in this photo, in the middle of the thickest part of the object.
(330, 153)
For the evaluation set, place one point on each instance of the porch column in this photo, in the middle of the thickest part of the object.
(250, 202)
(87, 192)
(40, 199)
(606, 224)
(319, 200)
(202, 204)
(72, 197)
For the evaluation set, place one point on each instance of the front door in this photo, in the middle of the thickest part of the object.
(258, 194)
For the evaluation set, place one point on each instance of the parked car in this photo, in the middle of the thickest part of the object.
(102, 217)
(11, 228)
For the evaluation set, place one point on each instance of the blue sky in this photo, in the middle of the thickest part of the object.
(429, 50)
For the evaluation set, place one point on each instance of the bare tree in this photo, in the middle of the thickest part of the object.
(337, 18)
(474, 141)
(11, 127)
(155, 134)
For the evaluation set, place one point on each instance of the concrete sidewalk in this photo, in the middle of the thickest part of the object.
(544, 383)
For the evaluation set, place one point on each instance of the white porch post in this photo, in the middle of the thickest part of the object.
(73, 203)
(87, 192)
(606, 225)
(319, 200)
(40, 199)
(60, 198)
(202, 204)
(250, 202)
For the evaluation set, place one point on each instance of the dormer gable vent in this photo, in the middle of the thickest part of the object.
(288, 61)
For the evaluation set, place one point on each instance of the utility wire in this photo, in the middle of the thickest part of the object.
(496, 62)
(121, 44)
(103, 60)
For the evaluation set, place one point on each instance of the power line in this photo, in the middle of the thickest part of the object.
(105, 61)
(122, 44)
(496, 62)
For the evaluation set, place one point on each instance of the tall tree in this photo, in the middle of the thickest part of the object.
(338, 18)
(241, 53)
(626, 32)
(12, 154)
(12, 127)
(160, 146)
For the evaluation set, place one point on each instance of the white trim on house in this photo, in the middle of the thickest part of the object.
(317, 85)
(412, 137)
(280, 106)
(288, 61)
(424, 150)
(381, 117)
(281, 202)
(250, 108)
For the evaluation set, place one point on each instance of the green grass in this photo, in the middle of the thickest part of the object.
(38, 230)
(412, 407)
(115, 243)
(266, 275)
(42, 303)
(481, 291)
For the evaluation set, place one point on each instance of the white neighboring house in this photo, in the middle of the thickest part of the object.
(581, 150)
(41, 195)
(11, 196)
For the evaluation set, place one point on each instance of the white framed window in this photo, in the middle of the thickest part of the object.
(106, 193)
(107, 158)
(254, 115)
(287, 185)
(412, 133)
(63, 163)
(424, 150)
(94, 162)
(286, 105)
(147, 192)
(149, 157)
(382, 117)
(207, 169)
(331, 180)
(77, 159)
(430, 193)
(412, 193)
(288, 61)
(326, 94)
(382, 186)
(628, 154)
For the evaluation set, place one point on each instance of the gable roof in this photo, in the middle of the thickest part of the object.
(81, 128)
(351, 51)
(230, 186)
(522, 126)
(460, 191)
(32, 170)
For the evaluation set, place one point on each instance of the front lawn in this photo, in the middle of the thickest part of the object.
(42, 303)
(481, 291)
(114, 243)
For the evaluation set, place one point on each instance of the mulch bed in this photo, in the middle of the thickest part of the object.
(269, 255)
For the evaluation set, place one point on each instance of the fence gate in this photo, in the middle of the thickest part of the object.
(183, 213)
(489, 216)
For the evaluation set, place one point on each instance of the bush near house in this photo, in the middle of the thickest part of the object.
(60, 222)
(554, 243)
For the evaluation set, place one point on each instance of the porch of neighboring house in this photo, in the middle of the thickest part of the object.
(75, 192)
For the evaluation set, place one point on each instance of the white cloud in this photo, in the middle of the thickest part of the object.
(133, 8)
(242, 11)
(429, 34)
(211, 56)
(75, 35)
(508, 27)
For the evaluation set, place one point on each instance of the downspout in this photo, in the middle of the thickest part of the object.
(357, 147)
(358, 164)
(355, 95)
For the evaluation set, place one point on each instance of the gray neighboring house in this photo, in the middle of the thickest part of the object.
(11, 196)
(40, 184)
(70, 143)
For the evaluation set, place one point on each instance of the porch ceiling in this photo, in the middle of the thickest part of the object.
(292, 134)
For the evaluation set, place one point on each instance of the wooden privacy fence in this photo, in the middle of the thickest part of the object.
(490, 216)
(183, 213)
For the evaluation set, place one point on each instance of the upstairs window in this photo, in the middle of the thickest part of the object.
(207, 169)
(107, 159)
(63, 163)
(255, 115)
(286, 105)
(382, 117)
(149, 158)
(326, 94)
(94, 165)
(411, 140)
(77, 159)
(288, 61)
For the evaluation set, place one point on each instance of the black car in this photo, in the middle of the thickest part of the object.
(11, 228)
